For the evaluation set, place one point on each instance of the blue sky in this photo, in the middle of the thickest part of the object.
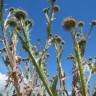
(81, 9)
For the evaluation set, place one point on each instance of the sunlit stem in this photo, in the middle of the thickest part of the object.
(80, 65)
(39, 71)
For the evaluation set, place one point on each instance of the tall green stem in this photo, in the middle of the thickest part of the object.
(80, 65)
(39, 71)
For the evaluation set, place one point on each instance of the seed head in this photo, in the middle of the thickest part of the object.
(93, 22)
(58, 39)
(56, 8)
(53, 1)
(80, 23)
(69, 23)
(45, 10)
(28, 22)
(11, 10)
(62, 42)
(20, 14)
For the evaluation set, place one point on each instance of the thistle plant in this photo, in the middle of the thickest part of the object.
(79, 43)
(29, 76)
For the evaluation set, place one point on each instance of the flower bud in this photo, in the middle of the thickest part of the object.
(80, 23)
(11, 10)
(56, 8)
(28, 22)
(58, 39)
(45, 10)
(93, 22)
(53, 1)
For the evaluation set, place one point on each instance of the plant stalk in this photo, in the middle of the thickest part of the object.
(80, 66)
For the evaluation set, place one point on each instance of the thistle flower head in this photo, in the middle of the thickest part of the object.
(69, 23)
(20, 14)
(93, 22)
(45, 10)
(28, 22)
(62, 42)
(56, 8)
(53, 1)
(12, 22)
(11, 10)
(80, 23)
(58, 39)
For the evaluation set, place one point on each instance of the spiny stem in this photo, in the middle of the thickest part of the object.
(82, 83)
(39, 71)
(79, 62)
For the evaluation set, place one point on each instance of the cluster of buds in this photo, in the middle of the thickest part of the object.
(28, 22)
(81, 40)
(70, 23)
(56, 8)
(49, 12)
(16, 18)
(58, 39)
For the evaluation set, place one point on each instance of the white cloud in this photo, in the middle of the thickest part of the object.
(3, 79)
